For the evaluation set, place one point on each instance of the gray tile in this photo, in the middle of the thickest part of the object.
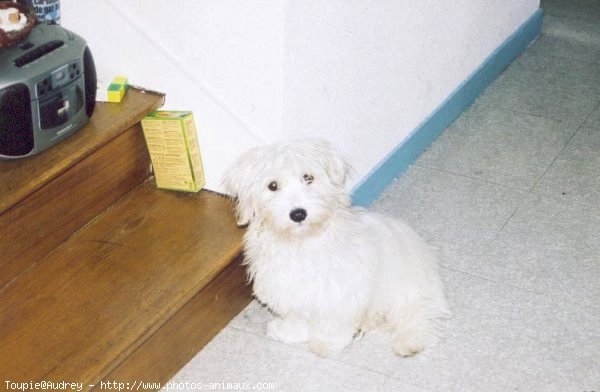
(487, 307)
(542, 99)
(467, 363)
(500, 146)
(503, 338)
(395, 385)
(235, 356)
(575, 174)
(566, 375)
(572, 9)
(594, 119)
(449, 210)
(550, 80)
(554, 45)
(581, 30)
(545, 66)
(550, 247)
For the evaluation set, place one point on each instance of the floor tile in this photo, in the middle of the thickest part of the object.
(395, 385)
(572, 9)
(559, 71)
(594, 119)
(503, 338)
(550, 247)
(576, 29)
(449, 210)
(562, 47)
(499, 146)
(571, 107)
(238, 357)
(552, 87)
(575, 175)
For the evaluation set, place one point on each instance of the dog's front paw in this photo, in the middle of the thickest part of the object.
(328, 348)
(288, 330)
(407, 348)
(408, 343)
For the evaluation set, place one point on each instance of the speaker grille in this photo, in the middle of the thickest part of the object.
(89, 75)
(16, 130)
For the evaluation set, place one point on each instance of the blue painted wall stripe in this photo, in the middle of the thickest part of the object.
(370, 187)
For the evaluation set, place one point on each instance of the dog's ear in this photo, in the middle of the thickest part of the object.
(336, 167)
(245, 210)
(237, 182)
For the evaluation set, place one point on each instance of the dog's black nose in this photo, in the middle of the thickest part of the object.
(298, 215)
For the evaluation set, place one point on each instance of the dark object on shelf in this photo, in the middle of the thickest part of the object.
(10, 38)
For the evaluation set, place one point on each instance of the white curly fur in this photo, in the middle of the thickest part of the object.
(342, 270)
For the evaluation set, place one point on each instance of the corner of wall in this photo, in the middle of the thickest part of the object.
(393, 165)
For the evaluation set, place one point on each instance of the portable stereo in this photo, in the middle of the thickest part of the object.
(47, 90)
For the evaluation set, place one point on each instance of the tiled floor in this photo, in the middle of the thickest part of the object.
(510, 195)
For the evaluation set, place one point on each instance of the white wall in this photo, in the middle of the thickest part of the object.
(362, 73)
(366, 75)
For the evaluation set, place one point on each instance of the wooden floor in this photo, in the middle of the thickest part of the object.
(102, 276)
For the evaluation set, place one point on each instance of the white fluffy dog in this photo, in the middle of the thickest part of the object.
(329, 271)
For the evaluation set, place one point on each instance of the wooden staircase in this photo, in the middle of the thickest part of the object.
(103, 277)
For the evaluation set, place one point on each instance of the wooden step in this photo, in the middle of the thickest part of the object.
(179, 339)
(46, 198)
(138, 274)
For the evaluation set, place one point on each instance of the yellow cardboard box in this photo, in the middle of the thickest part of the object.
(174, 152)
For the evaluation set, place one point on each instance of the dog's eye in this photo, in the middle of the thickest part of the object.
(273, 186)
(308, 178)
